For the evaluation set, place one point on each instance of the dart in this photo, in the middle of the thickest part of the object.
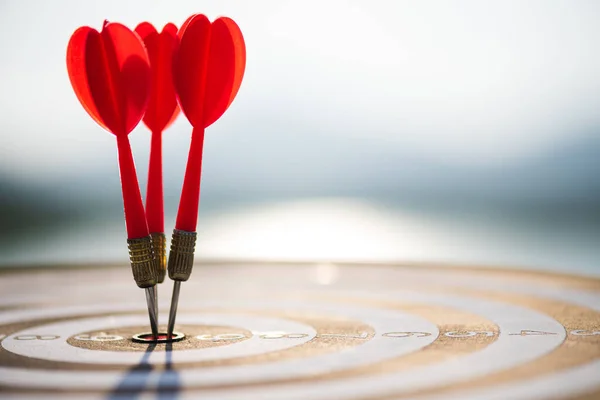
(161, 112)
(207, 71)
(110, 74)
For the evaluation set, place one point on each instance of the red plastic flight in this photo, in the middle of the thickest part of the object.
(161, 112)
(110, 74)
(208, 71)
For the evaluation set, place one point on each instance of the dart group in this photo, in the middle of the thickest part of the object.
(123, 76)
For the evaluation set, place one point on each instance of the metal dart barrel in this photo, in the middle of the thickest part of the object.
(181, 262)
(159, 245)
(144, 266)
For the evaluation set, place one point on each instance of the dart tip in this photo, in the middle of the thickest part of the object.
(156, 304)
(173, 309)
(151, 302)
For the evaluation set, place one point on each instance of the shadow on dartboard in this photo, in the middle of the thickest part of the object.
(136, 381)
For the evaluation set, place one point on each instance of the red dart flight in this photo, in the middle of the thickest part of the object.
(161, 112)
(110, 74)
(208, 71)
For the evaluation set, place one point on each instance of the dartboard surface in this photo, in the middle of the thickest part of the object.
(304, 331)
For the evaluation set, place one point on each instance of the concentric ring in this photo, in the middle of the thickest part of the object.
(418, 332)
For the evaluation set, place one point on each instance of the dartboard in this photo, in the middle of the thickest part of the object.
(303, 331)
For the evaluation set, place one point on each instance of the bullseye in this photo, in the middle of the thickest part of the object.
(163, 337)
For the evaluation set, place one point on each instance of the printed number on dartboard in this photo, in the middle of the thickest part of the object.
(98, 338)
(36, 337)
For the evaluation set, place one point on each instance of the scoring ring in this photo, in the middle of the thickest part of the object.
(163, 337)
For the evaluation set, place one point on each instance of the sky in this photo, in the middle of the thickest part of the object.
(331, 89)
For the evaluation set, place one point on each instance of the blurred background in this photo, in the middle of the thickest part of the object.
(431, 131)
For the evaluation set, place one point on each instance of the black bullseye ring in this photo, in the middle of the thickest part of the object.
(163, 337)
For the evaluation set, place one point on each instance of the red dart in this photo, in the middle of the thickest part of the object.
(110, 74)
(161, 112)
(208, 71)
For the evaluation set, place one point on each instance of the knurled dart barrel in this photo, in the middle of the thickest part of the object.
(181, 256)
(143, 262)
(159, 244)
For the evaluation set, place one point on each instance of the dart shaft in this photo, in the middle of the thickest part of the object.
(187, 214)
(135, 215)
(154, 190)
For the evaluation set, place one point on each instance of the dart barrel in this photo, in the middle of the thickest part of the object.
(181, 256)
(143, 262)
(159, 244)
